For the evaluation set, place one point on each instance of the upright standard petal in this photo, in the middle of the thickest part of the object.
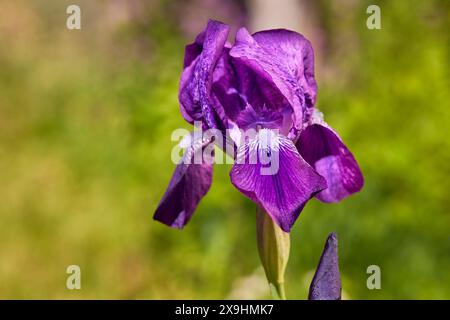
(190, 182)
(193, 50)
(298, 56)
(270, 171)
(285, 59)
(196, 80)
(323, 149)
(228, 101)
(326, 284)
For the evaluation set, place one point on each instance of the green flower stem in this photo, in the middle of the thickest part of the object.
(273, 248)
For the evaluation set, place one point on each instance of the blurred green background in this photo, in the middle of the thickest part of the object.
(85, 123)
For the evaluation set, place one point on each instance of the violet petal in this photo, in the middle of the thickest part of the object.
(228, 102)
(284, 58)
(281, 187)
(196, 79)
(323, 149)
(189, 183)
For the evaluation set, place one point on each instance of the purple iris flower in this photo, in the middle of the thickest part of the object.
(263, 82)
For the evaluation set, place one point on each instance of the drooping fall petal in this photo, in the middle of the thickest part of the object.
(323, 149)
(189, 183)
(270, 171)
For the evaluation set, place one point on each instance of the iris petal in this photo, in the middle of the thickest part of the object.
(228, 101)
(284, 58)
(323, 149)
(297, 54)
(196, 80)
(189, 183)
(193, 50)
(282, 185)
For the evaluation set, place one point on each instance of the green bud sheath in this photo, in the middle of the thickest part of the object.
(273, 247)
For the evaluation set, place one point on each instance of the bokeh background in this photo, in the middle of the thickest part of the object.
(85, 123)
